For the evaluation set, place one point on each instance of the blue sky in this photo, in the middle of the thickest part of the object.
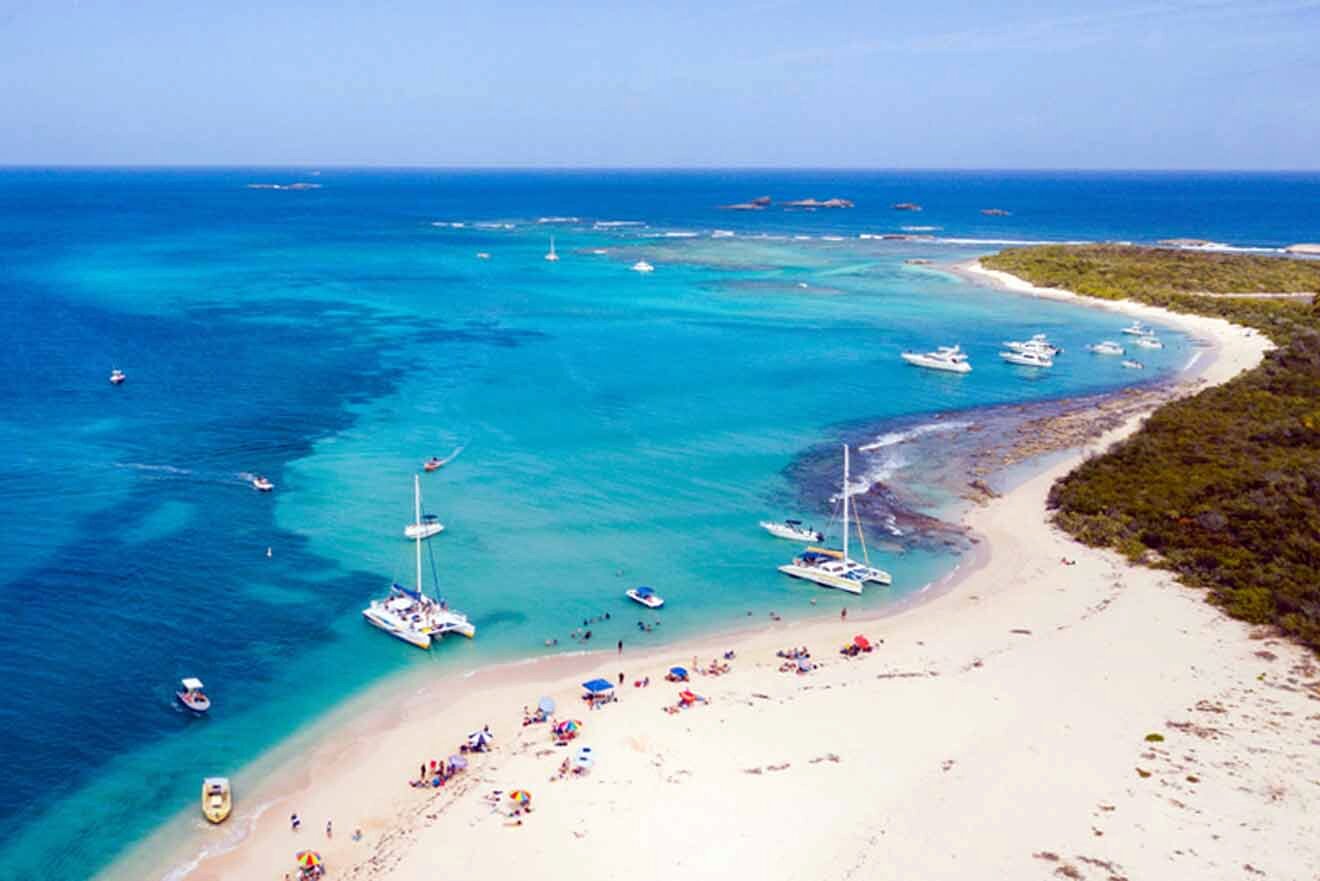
(1128, 84)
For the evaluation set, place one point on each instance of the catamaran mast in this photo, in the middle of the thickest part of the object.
(417, 514)
(845, 502)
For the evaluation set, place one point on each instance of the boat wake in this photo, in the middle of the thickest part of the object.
(897, 437)
(235, 833)
(170, 470)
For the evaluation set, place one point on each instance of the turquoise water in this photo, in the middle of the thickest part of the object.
(616, 429)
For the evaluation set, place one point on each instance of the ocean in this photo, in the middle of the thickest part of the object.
(612, 428)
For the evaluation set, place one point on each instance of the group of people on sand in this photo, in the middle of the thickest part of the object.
(1065, 561)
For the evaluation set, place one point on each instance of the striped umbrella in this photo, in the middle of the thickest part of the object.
(308, 859)
(521, 796)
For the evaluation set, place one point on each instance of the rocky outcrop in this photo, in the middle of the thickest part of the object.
(907, 206)
(760, 203)
(1308, 248)
(994, 212)
(816, 203)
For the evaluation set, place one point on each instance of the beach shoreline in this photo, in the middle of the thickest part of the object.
(986, 636)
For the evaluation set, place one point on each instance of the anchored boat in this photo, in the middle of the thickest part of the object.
(217, 800)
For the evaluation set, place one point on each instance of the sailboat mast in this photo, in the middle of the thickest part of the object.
(417, 514)
(845, 501)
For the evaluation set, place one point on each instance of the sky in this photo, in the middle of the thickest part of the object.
(1178, 84)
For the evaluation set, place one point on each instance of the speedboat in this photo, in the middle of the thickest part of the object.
(793, 530)
(409, 614)
(483, 255)
(430, 525)
(1136, 328)
(117, 376)
(1149, 342)
(261, 484)
(1133, 365)
(949, 358)
(193, 695)
(432, 464)
(646, 596)
(1028, 358)
(642, 266)
(1108, 347)
(217, 800)
(551, 256)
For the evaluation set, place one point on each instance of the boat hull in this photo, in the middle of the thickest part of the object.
(651, 602)
(824, 579)
(780, 530)
(216, 807)
(197, 705)
(413, 532)
(412, 637)
(928, 364)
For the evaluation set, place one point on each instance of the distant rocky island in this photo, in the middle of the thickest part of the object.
(760, 203)
(994, 212)
(1190, 243)
(301, 185)
(907, 206)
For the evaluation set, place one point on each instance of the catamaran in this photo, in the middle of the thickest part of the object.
(948, 358)
(551, 255)
(411, 615)
(831, 568)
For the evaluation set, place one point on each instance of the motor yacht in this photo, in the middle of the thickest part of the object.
(1133, 365)
(1028, 358)
(948, 358)
(1136, 328)
(1108, 347)
(1149, 342)
(642, 266)
(1038, 343)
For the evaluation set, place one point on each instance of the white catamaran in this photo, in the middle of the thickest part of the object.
(411, 615)
(830, 568)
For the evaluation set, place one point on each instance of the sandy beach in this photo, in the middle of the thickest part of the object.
(1035, 718)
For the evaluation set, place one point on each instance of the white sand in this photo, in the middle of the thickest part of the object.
(997, 733)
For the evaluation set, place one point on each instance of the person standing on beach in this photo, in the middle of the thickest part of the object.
(294, 822)
(843, 616)
(621, 679)
(329, 829)
(620, 646)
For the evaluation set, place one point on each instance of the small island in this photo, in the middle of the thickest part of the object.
(907, 206)
(995, 212)
(760, 203)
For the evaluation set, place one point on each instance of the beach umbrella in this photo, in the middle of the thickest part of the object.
(457, 761)
(308, 859)
(678, 672)
(521, 796)
(546, 705)
(861, 642)
(568, 726)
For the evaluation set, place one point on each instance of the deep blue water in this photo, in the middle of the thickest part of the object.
(332, 338)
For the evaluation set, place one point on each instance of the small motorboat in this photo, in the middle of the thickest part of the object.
(483, 255)
(117, 376)
(1107, 347)
(1134, 365)
(1136, 328)
(430, 525)
(642, 266)
(217, 801)
(646, 596)
(433, 464)
(551, 256)
(261, 484)
(1149, 342)
(1028, 358)
(193, 695)
(793, 530)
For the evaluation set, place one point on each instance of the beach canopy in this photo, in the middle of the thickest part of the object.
(861, 642)
(308, 859)
(457, 761)
(478, 739)
(546, 705)
(598, 686)
(521, 796)
(679, 672)
(193, 684)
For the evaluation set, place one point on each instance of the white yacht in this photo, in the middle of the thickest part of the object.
(1134, 365)
(950, 358)
(117, 376)
(1107, 347)
(551, 255)
(793, 530)
(835, 569)
(427, 527)
(1028, 358)
(1038, 343)
(646, 596)
(1136, 328)
(408, 613)
(1149, 342)
(642, 266)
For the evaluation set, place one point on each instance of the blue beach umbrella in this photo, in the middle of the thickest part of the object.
(546, 705)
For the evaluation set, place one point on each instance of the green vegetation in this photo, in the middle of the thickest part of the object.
(1222, 487)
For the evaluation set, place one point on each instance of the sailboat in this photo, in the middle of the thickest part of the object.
(551, 255)
(408, 613)
(830, 568)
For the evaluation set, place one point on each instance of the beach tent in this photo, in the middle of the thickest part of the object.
(598, 687)
(478, 740)
(679, 673)
(862, 642)
(457, 762)
(546, 705)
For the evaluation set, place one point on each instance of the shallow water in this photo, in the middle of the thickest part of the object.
(617, 429)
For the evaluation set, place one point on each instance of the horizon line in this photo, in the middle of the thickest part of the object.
(315, 166)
